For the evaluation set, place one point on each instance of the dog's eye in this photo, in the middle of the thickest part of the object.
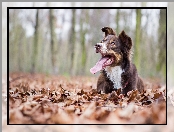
(113, 43)
(102, 41)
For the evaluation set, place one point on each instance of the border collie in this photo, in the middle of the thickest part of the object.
(117, 70)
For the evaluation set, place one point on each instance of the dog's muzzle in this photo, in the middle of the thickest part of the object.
(100, 47)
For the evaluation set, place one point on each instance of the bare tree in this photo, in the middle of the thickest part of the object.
(72, 40)
(53, 40)
(84, 20)
(137, 38)
(35, 47)
(161, 66)
(117, 20)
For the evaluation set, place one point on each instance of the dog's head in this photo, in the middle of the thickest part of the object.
(113, 49)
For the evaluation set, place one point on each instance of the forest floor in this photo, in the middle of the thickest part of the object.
(46, 99)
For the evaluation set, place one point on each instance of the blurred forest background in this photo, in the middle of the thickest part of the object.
(61, 41)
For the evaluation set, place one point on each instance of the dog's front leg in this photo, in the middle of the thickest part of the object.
(103, 85)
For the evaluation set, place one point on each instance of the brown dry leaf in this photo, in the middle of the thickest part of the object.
(70, 109)
(127, 111)
(89, 111)
(61, 118)
(113, 118)
(44, 99)
(16, 117)
(132, 95)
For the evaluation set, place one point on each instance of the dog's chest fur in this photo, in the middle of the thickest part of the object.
(114, 74)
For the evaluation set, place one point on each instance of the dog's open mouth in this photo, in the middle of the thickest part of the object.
(106, 60)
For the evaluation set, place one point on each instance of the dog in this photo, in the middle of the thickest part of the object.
(117, 70)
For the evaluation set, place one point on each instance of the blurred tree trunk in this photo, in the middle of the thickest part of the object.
(15, 41)
(35, 44)
(84, 20)
(117, 21)
(53, 39)
(161, 66)
(20, 52)
(137, 55)
(72, 41)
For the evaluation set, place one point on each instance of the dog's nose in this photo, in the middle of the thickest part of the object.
(99, 44)
(97, 47)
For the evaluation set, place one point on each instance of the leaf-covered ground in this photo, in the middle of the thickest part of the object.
(41, 99)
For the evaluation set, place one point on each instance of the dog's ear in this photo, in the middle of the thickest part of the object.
(126, 41)
(108, 31)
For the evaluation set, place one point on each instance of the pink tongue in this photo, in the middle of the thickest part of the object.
(99, 65)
